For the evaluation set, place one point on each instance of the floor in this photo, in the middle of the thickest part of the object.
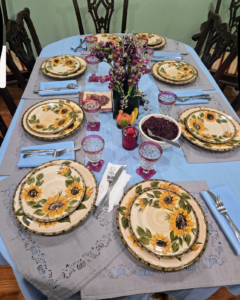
(9, 289)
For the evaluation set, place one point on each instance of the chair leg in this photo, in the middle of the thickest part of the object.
(7, 98)
(3, 127)
(236, 103)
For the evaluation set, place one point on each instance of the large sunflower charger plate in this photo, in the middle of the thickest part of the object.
(176, 71)
(234, 143)
(163, 223)
(106, 37)
(62, 113)
(154, 261)
(69, 222)
(52, 192)
(62, 65)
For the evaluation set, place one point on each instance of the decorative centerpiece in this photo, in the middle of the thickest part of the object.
(127, 67)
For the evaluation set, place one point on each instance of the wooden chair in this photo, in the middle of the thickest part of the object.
(8, 100)
(3, 130)
(101, 22)
(236, 103)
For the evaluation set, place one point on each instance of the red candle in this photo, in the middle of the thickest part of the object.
(129, 137)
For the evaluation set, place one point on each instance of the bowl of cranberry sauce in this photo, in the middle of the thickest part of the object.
(160, 125)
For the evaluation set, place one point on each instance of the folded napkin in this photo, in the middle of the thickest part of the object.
(35, 161)
(232, 205)
(118, 189)
(190, 93)
(77, 43)
(160, 54)
(57, 84)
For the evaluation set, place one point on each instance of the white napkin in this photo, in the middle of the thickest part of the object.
(118, 189)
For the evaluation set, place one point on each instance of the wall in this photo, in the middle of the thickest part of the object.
(177, 19)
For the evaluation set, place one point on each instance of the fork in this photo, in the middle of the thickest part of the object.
(54, 154)
(168, 57)
(223, 211)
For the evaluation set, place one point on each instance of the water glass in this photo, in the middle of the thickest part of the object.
(149, 153)
(92, 65)
(92, 109)
(147, 55)
(129, 137)
(90, 40)
(142, 44)
(166, 101)
(93, 146)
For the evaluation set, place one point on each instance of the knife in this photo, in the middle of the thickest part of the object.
(212, 196)
(48, 150)
(103, 201)
(54, 89)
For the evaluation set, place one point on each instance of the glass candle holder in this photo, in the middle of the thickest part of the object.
(166, 101)
(90, 40)
(129, 137)
(93, 146)
(92, 109)
(149, 153)
(92, 65)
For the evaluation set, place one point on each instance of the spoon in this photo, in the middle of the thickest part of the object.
(70, 86)
(80, 46)
(163, 139)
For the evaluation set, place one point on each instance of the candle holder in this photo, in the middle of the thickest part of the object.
(92, 109)
(129, 137)
(166, 101)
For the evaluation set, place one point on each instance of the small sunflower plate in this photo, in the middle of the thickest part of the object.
(163, 223)
(53, 117)
(63, 105)
(106, 37)
(62, 65)
(155, 71)
(51, 193)
(146, 257)
(80, 71)
(154, 40)
(234, 143)
(211, 127)
(176, 71)
(69, 222)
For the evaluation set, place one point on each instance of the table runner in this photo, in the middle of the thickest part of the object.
(20, 139)
(202, 82)
(37, 76)
(197, 155)
(125, 275)
(59, 266)
(172, 46)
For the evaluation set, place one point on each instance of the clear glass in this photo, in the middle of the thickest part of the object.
(90, 40)
(92, 109)
(147, 55)
(166, 100)
(92, 64)
(93, 146)
(129, 137)
(149, 153)
(142, 44)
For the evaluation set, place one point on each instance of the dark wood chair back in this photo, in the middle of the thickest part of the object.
(8, 100)
(100, 22)
(16, 73)
(4, 11)
(234, 16)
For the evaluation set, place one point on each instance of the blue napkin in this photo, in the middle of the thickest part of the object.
(53, 84)
(190, 93)
(165, 54)
(232, 205)
(35, 161)
(77, 43)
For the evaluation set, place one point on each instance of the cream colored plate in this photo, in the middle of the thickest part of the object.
(106, 37)
(69, 222)
(210, 126)
(145, 257)
(176, 71)
(54, 117)
(78, 119)
(163, 43)
(155, 73)
(77, 73)
(153, 39)
(62, 65)
(209, 146)
(51, 193)
(163, 223)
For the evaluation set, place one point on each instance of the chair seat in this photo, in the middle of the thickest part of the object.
(17, 61)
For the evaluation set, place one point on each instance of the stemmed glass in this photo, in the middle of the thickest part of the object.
(92, 110)
(93, 146)
(149, 153)
(90, 40)
(166, 101)
(142, 45)
(92, 65)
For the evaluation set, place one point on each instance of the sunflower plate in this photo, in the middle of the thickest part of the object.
(176, 71)
(62, 65)
(106, 37)
(75, 125)
(146, 257)
(69, 222)
(210, 126)
(163, 223)
(234, 143)
(153, 39)
(52, 192)
(50, 118)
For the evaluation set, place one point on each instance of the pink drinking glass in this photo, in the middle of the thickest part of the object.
(93, 146)
(92, 109)
(149, 153)
(129, 137)
(90, 40)
(166, 100)
(92, 65)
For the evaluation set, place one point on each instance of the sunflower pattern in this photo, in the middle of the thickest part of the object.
(64, 110)
(69, 62)
(55, 206)
(135, 244)
(61, 122)
(74, 190)
(168, 200)
(196, 125)
(206, 136)
(46, 224)
(56, 61)
(169, 186)
(161, 244)
(180, 222)
(65, 171)
(73, 126)
(185, 68)
(32, 193)
(210, 116)
(39, 126)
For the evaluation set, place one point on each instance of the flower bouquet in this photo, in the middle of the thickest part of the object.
(126, 69)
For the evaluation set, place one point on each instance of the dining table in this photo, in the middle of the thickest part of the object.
(172, 166)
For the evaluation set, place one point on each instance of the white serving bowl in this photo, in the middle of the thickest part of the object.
(145, 138)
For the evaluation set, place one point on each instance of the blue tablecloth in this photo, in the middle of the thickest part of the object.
(172, 166)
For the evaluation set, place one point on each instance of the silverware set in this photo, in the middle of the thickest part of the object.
(223, 211)
(195, 97)
(70, 86)
(168, 57)
(50, 152)
(80, 45)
